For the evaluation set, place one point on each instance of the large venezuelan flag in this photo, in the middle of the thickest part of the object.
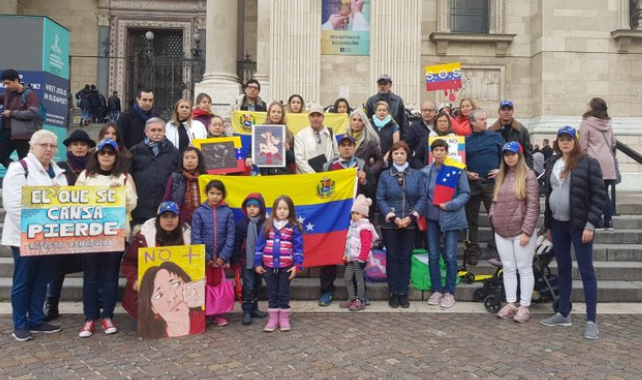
(322, 200)
(242, 122)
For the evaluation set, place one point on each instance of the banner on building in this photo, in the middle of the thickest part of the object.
(345, 27)
(322, 201)
(72, 219)
(171, 291)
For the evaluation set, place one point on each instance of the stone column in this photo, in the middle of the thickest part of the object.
(395, 47)
(220, 80)
(296, 46)
(9, 7)
(263, 62)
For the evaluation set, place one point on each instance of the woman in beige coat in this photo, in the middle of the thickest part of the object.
(598, 141)
(513, 215)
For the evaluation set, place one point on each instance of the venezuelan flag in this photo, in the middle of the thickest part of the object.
(443, 77)
(322, 201)
(446, 181)
(243, 121)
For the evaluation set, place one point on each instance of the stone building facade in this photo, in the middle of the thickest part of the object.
(549, 57)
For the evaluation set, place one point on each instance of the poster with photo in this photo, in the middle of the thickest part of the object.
(268, 146)
(222, 154)
(345, 27)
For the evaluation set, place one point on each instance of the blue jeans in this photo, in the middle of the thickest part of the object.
(30, 278)
(113, 115)
(278, 284)
(450, 257)
(252, 282)
(399, 245)
(100, 269)
(563, 237)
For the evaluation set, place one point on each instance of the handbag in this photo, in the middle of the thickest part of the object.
(219, 298)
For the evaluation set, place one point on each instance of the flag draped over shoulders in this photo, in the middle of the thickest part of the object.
(447, 179)
(322, 201)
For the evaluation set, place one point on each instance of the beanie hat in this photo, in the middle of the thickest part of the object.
(253, 202)
(361, 205)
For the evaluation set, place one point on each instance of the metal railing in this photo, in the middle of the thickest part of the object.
(245, 68)
(628, 151)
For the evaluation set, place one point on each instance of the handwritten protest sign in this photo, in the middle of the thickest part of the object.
(72, 219)
(456, 147)
(171, 297)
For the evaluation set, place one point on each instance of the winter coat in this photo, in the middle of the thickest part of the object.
(240, 103)
(202, 116)
(401, 201)
(132, 127)
(588, 193)
(131, 197)
(417, 132)
(371, 150)
(510, 216)
(150, 174)
(598, 141)
(24, 118)
(369, 189)
(280, 248)
(386, 135)
(305, 145)
(214, 227)
(516, 131)
(241, 230)
(359, 239)
(483, 153)
(454, 217)
(129, 266)
(12, 185)
(195, 130)
(461, 126)
(396, 108)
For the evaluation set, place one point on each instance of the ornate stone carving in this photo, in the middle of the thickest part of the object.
(184, 5)
(200, 23)
(484, 84)
(103, 19)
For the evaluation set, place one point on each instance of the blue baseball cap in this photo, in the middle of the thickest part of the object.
(168, 206)
(107, 142)
(568, 130)
(512, 146)
(506, 103)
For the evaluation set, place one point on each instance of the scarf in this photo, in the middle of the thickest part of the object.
(183, 135)
(250, 241)
(358, 138)
(191, 200)
(279, 224)
(77, 164)
(402, 167)
(381, 123)
(348, 164)
(155, 147)
(142, 114)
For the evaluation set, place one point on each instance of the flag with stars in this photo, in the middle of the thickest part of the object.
(447, 179)
(322, 201)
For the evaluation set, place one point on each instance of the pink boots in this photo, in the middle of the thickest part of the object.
(278, 317)
(273, 321)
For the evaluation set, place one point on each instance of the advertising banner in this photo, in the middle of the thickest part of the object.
(345, 27)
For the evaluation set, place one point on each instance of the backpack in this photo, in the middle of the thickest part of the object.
(376, 267)
(42, 110)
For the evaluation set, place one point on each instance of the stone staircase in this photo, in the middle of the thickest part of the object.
(617, 261)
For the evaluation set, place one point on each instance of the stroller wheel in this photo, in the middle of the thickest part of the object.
(492, 303)
(556, 306)
(469, 278)
(479, 295)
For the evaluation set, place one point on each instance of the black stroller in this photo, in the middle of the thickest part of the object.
(492, 292)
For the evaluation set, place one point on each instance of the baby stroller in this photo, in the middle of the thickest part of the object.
(492, 292)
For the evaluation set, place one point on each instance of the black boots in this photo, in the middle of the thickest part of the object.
(251, 310)
(393, 300)
(403, 301)
(50, 309)
(256, 313)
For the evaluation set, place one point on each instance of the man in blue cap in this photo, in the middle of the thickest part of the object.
(512, 130)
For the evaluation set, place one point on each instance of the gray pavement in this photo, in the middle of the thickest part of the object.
(339, 345)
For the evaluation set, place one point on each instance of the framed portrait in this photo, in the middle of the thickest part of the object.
(268, 146)
(222, 154)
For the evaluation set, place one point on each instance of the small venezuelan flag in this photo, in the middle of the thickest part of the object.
(322, 201)
(447, 179)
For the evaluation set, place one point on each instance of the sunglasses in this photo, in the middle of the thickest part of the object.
(106, 153)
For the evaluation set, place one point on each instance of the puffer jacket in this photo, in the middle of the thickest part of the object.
(129, 266)
(358, 246)
(214, 227)
(516, 131)
(588, 194)
(510, 216)
(401, 201)
(598, 141)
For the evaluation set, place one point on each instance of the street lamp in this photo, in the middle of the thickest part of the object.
(148, 60)
(197, 60)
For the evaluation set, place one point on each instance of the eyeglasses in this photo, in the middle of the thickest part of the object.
(48, 146)
(428, 110)
(106, 153)
(253, 87)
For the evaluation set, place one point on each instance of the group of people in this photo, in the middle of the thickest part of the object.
(94, 107)
(159, 168)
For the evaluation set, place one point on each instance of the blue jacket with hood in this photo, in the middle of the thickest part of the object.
(241, 231)
(214, 227)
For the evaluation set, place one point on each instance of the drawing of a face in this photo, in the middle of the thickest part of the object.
(167, 298)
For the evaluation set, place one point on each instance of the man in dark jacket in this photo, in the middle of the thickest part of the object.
(547, 151)
(132, 122)
(153, 160)
(483, 157)
(84, 103)
(512, 130)
(20, 117)
(396, 105)
(421, 128)
(113, 103)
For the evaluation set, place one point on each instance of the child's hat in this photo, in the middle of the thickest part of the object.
(361, 205)
(253, 202)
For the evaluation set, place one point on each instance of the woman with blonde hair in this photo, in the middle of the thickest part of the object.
(461, 123)
(513, 215)
(183, 129)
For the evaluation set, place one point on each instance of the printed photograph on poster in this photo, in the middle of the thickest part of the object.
(222, 154)
(345, 27)
(268, 146)
(456, 147)
(171, 296)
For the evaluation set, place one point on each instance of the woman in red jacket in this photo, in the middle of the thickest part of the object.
(513, 215)
(166, 229)
(461, 124)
